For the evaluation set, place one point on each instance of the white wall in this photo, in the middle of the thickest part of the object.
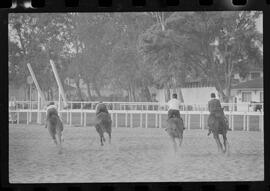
(190, 95)
(198, 95)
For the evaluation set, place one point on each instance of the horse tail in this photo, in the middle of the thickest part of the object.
(53, 119)
(104, 122)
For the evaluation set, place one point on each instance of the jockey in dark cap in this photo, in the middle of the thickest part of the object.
(216, 113)
(101, 107)
(51, 109)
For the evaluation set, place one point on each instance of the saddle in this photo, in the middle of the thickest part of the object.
(103, 117)
(179, 122)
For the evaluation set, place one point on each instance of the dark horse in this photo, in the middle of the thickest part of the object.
(103, 124)
(217, 127)
(175, 128)
(55, 127)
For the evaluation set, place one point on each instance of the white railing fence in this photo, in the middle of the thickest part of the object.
(141, 106)
(244, 121)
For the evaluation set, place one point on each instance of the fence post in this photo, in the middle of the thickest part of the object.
(18, 118)
(27, 117)
(116, 120)
(131, 120)
(67, 116)
(244, 122)
(200, 120)
(156, 120)
(186, 120)
(146, 120)
(141, 119)
(126, 118)
(189, 122)
(85, 118)
(248, 126)
(203, 125)
(30, 116)
(160, 122)
(232, 122)
(81, 117)
(70, 118)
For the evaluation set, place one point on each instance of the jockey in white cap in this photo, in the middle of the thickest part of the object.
(51, 109)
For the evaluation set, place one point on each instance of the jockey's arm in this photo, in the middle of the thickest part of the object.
(97, 108)
(179, 105)
(219, 105)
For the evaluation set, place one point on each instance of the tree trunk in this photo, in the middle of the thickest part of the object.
(181, 95)
(50, 94)
(90, 97)
(146, 93)
(220, 92)
(79, 92)
(133, 94)
(167, 94)
(95, 86)
(130, 97)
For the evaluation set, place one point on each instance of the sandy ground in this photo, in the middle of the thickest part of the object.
(135, 155)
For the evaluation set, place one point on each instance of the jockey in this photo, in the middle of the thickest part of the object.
(216, 112)
(174, 105)
(101, 107)
(51, 109)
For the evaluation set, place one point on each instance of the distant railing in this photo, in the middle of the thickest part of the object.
(141, 106)
(243, 121)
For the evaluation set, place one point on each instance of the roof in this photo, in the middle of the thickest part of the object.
(251, 84)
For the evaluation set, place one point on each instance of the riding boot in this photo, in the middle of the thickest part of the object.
(225, 125)
(182, 123)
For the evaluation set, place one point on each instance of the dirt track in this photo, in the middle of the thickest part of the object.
(135, 155)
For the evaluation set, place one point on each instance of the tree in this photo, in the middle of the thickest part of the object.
(159, 46)
(213, 44)
(126, 66)
(35, 39)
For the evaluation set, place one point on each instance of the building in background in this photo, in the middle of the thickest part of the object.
(247, 92)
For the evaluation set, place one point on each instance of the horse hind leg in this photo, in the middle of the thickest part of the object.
(174, 145)
(219, 145)
(180, 140)
(52, 135)
(62, 137)
(101, 140)
(59, 134)
(226, 144)
(110, 137)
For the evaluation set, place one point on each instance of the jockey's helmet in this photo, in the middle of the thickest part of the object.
(51, 103)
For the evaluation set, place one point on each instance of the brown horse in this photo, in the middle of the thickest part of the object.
(219, 128)
(103, 124)
(175, 128)
(55, 127)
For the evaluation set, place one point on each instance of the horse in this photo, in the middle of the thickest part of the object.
(175, 128)
(218, 129)
(103, 124)
(55, 127)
